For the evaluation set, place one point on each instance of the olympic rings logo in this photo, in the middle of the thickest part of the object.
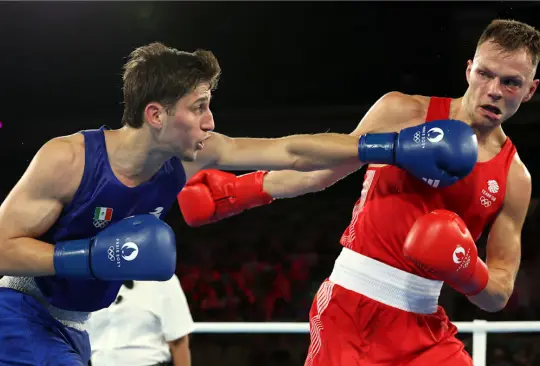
(110, 253)
(485, 202)
(416, 137)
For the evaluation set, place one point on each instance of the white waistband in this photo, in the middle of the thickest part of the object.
(386, 284)
(27, 285)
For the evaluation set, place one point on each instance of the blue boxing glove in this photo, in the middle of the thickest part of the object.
(439, 152)
(139, 247)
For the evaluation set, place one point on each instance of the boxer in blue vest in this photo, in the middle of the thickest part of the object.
(87, 213)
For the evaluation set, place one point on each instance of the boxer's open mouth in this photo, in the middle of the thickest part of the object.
(491, 108)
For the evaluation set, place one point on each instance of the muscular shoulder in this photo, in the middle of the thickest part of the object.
(393, 112)
(519, 178)
(59, 165)
(411, 106)
(64, 149)
(518, 188)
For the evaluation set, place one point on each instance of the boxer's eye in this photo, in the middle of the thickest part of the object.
(483, 74)
(201, 108)
(512, 82)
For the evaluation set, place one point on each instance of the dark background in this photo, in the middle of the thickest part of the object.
(288, 67)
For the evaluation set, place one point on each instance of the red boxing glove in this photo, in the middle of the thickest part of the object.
(212, 195)
(441, 243)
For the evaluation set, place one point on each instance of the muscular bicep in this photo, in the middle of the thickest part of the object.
(504, 241)
(37, 200)
(504, 245)
(27, 212)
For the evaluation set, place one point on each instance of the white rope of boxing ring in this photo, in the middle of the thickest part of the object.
(479, 329)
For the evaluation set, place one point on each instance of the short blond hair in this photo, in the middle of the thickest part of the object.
(512, 35)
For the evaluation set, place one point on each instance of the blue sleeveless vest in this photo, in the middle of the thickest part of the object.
(100, 200)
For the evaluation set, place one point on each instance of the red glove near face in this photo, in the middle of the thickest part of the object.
(441, 243)
(212, 195)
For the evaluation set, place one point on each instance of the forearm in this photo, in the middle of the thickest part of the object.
(322, 151)
(291, 183)
(499, 288)
(26, 257)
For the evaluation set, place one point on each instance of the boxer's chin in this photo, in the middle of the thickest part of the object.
(190, 155)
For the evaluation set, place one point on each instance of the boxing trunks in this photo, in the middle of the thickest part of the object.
(31, 336)
(368, 313)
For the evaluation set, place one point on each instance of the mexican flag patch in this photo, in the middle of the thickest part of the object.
(102, 216)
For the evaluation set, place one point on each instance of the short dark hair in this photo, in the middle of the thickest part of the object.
(157, 73)
(512, 35)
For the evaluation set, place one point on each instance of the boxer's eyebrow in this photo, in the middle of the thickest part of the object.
(510, 76)
(205, 98)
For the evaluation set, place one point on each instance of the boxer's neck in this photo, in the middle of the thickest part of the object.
(486, 134)
(134, 154)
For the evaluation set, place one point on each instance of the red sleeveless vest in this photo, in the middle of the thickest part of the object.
(392, 200)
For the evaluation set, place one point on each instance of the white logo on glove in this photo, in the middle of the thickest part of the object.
(110, 253)
(157, 212)
(435, 134)
(432, 182)
(129, 251)
(459, 255)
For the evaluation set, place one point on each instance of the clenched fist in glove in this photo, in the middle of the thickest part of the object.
(441, 242)
(212, 195)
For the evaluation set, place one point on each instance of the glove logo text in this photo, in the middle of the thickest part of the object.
(116, 253)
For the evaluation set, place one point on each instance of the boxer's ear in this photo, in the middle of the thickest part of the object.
(155, 115)
(468, 71)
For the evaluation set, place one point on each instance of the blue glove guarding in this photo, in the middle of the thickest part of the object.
(139, 247)
(439, 152)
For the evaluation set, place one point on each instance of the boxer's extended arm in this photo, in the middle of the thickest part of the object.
(391, 113)
(298, 152)
(504, 241)
(234, 194)
(34, 205)
(197, 204)
(439, 162)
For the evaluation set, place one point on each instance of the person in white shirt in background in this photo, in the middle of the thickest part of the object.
(147, 325)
